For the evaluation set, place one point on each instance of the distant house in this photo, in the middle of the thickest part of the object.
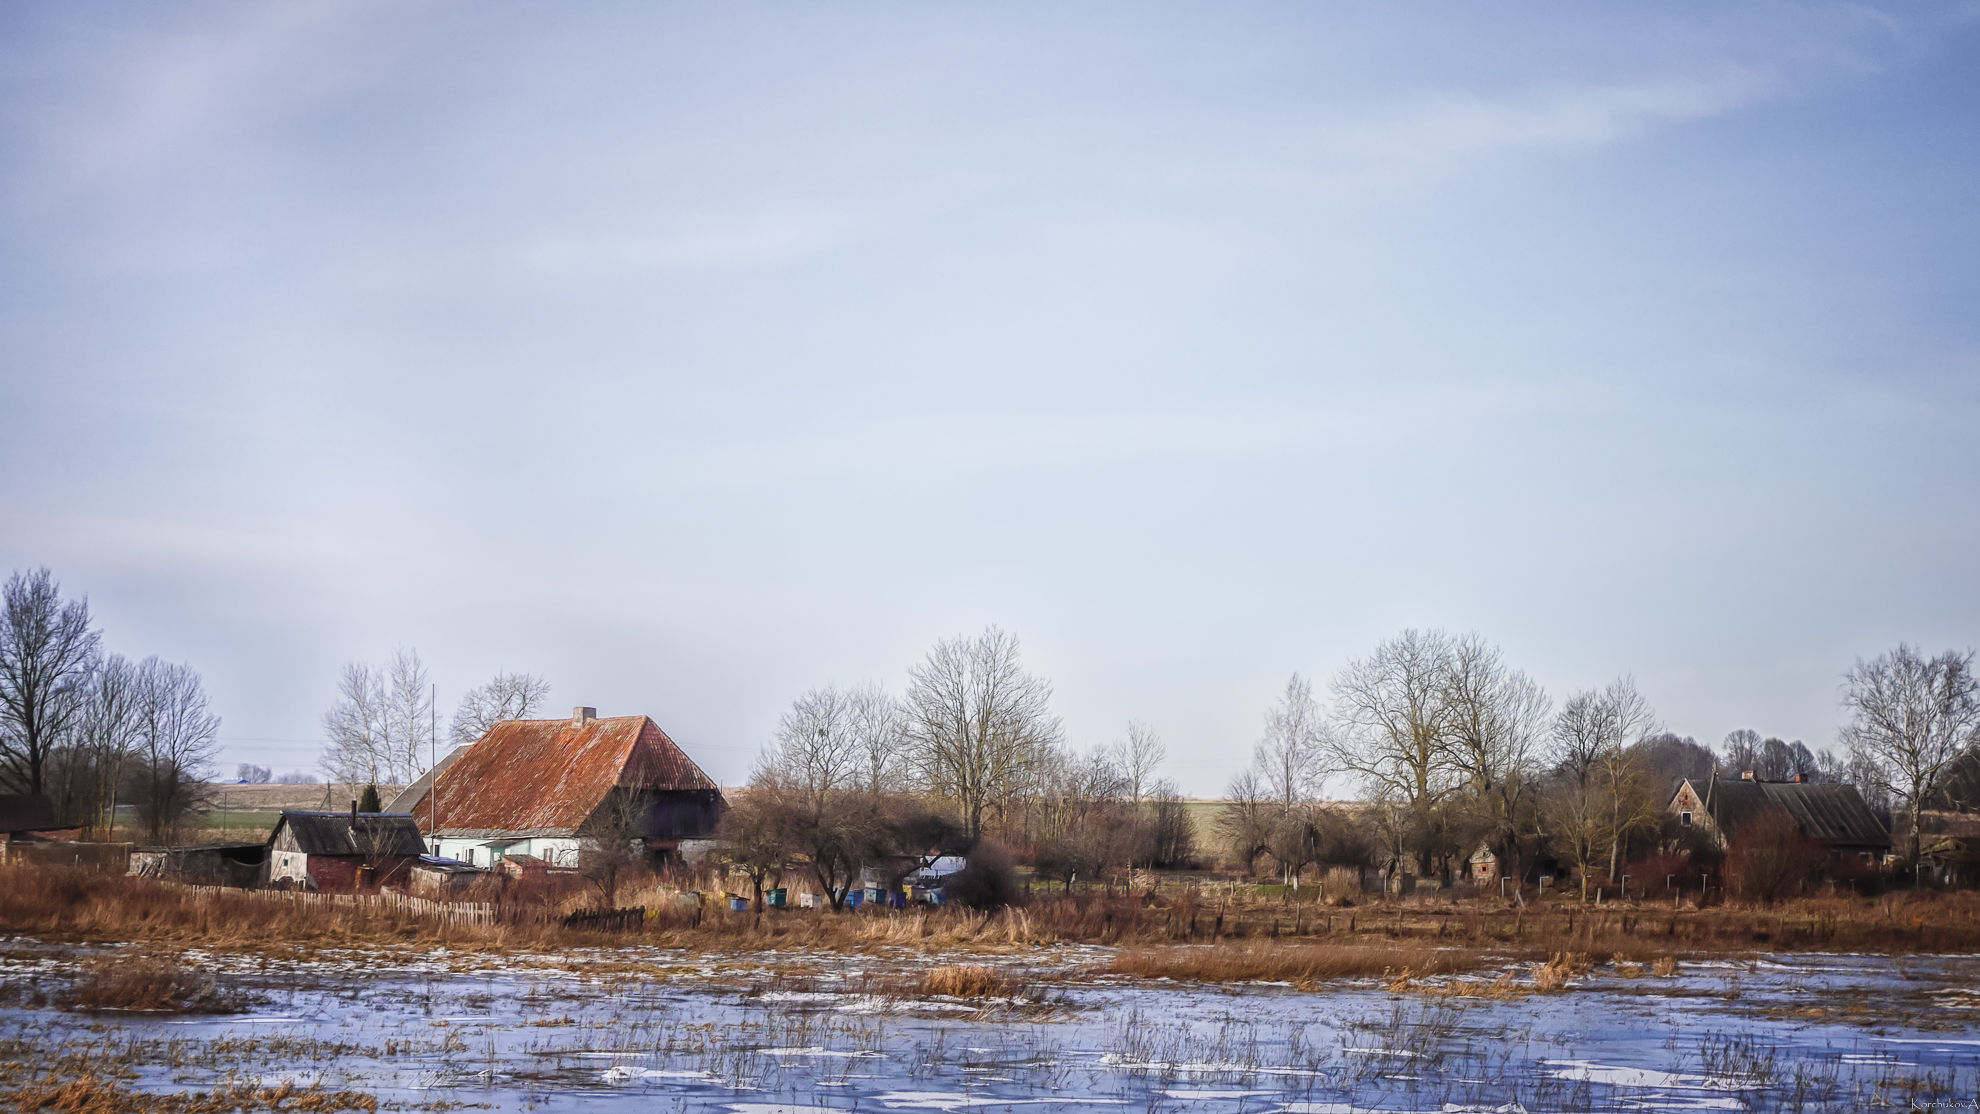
(1832, 815)
(1484, 864)
(539, 788)
(342, 852)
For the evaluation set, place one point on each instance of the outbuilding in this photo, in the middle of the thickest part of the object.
(341, 852)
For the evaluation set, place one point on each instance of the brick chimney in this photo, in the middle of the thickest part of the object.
(582, 716)
(1747, 775)
(1801, 779)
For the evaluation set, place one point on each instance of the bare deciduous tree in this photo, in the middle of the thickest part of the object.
(977, 723)
(1288, 758)
(1629, 721)
(1394, 724)
(357, 747)
(1138, 757)
(47, 652)
(176, 732)
(409, 717)
(1497, 720)
(878, 729)
(506, 696)
(108, 730)
(1910, 717)
(817, 751)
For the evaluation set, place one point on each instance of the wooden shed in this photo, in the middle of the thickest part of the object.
(341, 852)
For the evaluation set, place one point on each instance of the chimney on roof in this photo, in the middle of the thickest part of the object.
(1801, 779)
(582, 716)
(354, 814)
(1747, 775)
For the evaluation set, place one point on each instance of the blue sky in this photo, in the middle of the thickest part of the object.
(693, 355)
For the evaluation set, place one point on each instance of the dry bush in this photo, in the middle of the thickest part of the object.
(970, 981)
(1302, 965)
(1554, 974)
(144, 984)
(1665, 967)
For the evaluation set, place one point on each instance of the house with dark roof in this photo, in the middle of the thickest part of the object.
(342, 852)
(541, 787)
(1832, 815)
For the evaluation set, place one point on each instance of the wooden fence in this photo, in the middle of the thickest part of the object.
(447, 912)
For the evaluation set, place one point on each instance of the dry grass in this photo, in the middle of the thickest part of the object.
(1554, 974)
(90, 1094)
(970, 981)
(142, 984)
(1303, 965)
(67, 904)
(1664, 967)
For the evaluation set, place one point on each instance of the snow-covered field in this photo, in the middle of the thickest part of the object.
(651, 1030)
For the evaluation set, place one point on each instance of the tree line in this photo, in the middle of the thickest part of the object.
(1451, 749)
(857, 781)
(93, 729)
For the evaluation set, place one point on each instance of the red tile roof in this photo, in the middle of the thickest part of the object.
(547, 776)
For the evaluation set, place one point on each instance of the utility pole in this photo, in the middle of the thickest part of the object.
(433, 763)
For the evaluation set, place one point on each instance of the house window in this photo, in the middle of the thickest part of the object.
(1684, 819)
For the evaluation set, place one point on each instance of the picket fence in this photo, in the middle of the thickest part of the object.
(447, 912)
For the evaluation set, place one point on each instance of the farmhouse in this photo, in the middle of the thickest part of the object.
(1832, 815)
(541, 787)
(341, 852)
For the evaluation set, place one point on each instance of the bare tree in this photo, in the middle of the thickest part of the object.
(47, 651)
(1288, 758)
(176, 732)
(357, 750)
(1246, 820)
(1394, 729)
(1497, 719)
(977, 723)
(109, 730)
(506, 696)
(1580, 734)
(1910, 718)
(1138, 757)
(408, 717)
(817, 750)
(1629, 721)
(878, 729)
(1741, 750)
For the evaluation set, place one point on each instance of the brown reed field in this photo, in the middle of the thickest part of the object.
(1221, 935)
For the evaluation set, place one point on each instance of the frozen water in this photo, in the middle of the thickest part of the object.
(647, 1031)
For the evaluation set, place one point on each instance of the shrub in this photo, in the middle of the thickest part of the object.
(986, 881)
(969, 981)
(1770, 859)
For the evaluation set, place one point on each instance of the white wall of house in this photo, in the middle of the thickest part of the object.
(288, 864)
(483, 852)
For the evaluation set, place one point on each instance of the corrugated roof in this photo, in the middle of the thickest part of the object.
(26, 812)
(331, 833)
(547, 777)
(1834, 814)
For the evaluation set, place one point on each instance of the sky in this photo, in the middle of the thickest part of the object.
(693, 355)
